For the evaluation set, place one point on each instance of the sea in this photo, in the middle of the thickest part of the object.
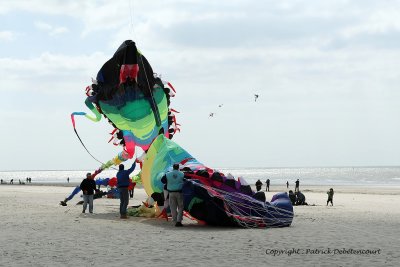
(383, 176)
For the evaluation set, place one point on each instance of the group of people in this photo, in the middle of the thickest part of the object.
(88, 187)
(173, 181)
(28, 180)
(259, 185)
(296, 197)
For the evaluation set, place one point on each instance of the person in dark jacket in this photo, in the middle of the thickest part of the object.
(267, 185)
(300, 198)
(297, 187)
(258, 185)
(292, 197)
(88, 186)
(330, 196)
(123, 184)
(165, 191)
(78, 188)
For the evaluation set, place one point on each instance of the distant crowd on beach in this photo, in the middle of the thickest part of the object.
(28, 181)
(296, 197)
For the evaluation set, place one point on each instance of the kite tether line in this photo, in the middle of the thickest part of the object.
(76, 132)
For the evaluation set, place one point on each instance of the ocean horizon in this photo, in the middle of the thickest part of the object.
(382, 175)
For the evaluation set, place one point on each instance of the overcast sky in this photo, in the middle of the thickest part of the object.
(327, 73)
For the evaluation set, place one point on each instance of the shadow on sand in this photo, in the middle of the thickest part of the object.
(189, 225)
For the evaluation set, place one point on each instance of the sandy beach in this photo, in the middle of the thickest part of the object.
(360, 229)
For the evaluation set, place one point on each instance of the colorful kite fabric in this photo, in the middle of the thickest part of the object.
(134, 101)
(137, 103)
(210, 196)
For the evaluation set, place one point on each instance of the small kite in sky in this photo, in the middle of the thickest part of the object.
(211, 115)
(255, 97)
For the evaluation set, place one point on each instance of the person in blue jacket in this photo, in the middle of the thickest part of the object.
(175, 180)
(123, 184)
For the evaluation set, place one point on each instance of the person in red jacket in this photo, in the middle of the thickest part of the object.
(131, 188)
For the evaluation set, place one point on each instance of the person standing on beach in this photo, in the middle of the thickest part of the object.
(77, 189)
(292, 197)
(165, 191)
(267, 186)
(330, 196)
(297, 188)
(287, 184)
(88, 186)
(123, 184)
(68, 179)
(258, 185)
(131, 188)
(175, 180)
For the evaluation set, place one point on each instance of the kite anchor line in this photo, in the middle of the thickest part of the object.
(153, 103)
(76, 132)
(131, 10)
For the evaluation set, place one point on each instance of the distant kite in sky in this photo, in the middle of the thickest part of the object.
(211, 115)
(255, 97)
(220, 105)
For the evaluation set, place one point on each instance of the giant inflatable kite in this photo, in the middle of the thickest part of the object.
(209, 195)
(136, 102)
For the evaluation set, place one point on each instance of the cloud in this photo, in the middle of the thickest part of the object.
(223, 24)
(41, 73)
(324, 70)
(51, 30)
(7, 36)
(289, 40)
(43, 26)
(380, 21)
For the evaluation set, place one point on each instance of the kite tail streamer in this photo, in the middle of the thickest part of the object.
(92, 108)
(90, 105)
(126, 154)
